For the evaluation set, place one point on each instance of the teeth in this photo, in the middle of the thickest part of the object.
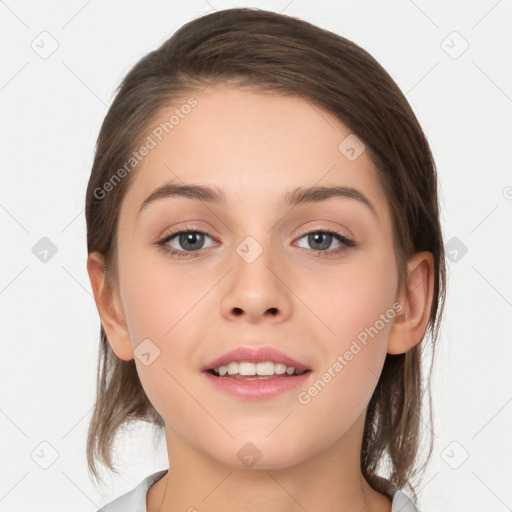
(232, 368)
(280, 368)
(263, 369)
(246, 368)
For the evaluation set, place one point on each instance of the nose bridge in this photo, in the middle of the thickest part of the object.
(253, 261)
(255, 286)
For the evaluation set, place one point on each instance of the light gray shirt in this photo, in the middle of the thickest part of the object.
(135, 500)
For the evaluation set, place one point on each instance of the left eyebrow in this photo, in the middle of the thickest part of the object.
(293, 197)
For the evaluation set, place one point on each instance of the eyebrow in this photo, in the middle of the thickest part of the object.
(214, 195)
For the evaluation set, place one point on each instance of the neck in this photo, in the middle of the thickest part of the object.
(330, 481)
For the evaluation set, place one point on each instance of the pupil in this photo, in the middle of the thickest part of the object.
(313, 238)
(188, 239)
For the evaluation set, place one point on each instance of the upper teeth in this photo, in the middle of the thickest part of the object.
(264, 368)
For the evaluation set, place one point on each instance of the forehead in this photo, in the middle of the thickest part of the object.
(250, 144)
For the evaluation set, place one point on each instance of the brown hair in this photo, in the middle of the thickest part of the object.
(274, 53)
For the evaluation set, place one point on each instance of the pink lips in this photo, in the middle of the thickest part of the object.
(256, 388)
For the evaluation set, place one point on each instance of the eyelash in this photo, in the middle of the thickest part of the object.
(162, 244)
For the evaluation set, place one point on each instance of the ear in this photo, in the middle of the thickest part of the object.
(409, 328)
(109, 308)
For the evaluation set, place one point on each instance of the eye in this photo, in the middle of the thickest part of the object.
(190, 239)
(321, 240)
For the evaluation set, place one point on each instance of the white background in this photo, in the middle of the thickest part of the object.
(50, 113)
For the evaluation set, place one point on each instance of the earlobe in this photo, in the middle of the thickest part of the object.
(409, 328)
(109, 308)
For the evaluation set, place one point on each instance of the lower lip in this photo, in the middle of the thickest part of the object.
(257, 388)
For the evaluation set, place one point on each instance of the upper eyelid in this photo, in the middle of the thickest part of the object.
(306, 231)
(192, 229)
(173, 233)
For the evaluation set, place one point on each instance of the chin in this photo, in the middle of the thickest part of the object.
(253, 453)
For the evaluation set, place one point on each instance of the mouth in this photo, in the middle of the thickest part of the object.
(246, 370)
(255, 373)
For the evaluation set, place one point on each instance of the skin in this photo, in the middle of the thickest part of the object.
(255, 147)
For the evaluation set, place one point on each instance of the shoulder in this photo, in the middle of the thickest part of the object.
(400, 501)
(134, 500)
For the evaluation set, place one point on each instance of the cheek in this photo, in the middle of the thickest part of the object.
(355, 307)
(155, 299)
(349, 371)
(350, 298)
(163, 311)
(162, 321)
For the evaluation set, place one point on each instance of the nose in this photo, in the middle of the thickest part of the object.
(258, 286)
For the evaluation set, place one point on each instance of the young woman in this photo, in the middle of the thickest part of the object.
(267, 261)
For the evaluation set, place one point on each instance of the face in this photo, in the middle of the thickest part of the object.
(315, 280)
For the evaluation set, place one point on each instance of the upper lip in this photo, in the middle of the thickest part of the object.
(255, 355)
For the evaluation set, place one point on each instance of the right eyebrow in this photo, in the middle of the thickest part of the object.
(199, 192)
